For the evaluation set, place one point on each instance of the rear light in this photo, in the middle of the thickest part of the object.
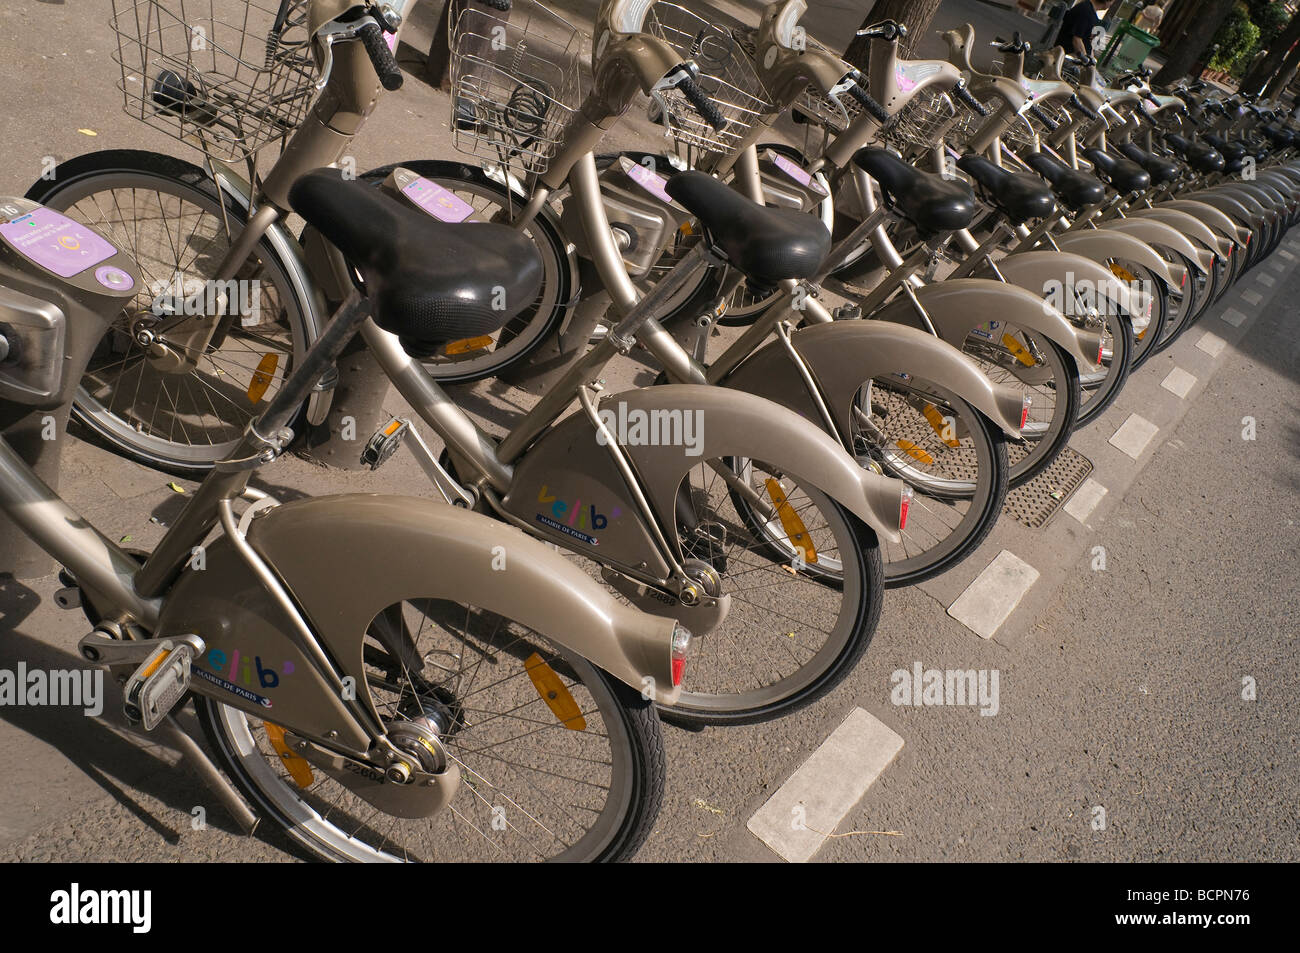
(1183, 283)
(681, 642)
(1024, 411)
(904, 504)
(1101, 350)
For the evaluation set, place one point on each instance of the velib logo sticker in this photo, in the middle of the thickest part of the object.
(577, 518)
(76, 906)
(242, 668)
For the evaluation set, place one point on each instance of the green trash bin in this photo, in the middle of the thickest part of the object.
(1128, 49)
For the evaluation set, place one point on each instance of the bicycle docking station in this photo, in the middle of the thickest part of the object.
(61, 286)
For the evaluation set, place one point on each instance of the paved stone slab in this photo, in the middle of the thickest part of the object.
(993, 596)
(1179, 382)
(1133, 436)
(1085, 500)
(796, 820)
(1211, 344)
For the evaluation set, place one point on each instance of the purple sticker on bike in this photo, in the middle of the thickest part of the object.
(441, 203)
(651, 181)
(802, 176)
(56, 243)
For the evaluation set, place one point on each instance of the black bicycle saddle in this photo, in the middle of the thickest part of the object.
(928, 200)
(430, 282)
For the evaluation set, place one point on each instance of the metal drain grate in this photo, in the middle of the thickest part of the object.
(1035, 503)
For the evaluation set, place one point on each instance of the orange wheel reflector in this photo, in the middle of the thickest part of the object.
(939, 423)
(468, 346)
(1018, 351)
(554, 693)
(296, 765)
(1123, 274)
(793, 525)
(915, 452)
(262, 377)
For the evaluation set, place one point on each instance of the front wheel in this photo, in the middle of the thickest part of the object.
(557, 760)
(170, 217)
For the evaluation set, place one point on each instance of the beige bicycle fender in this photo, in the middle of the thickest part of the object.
(844, 355)
(1103, 246)
(1159, 235)
(345, 559)
(1189, 225)
(736, 424)
(1214, 218)
(1057, 276)
(958, 307)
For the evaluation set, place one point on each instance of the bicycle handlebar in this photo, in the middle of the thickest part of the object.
(859, 92)
(889, 30)
(390, 74)
(1042, 117)
(702, 104)
(1079, 106)
(964, 94)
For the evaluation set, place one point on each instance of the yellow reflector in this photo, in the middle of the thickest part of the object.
(915, 452)
(468, 345)
(554, 693)
(939, 423)
(155, 665)
(262, 377)
(1143, 332)
(1123, 274)
(686, 229)
(1021, 355)
(794, 527)
(297, 766)
(392, 428)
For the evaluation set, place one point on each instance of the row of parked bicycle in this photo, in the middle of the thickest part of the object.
(953, 272)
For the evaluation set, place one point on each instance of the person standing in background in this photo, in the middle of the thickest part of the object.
(1149, 18)
(1079, 25)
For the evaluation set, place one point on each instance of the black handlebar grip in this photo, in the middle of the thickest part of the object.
(878, 112)
(964, 94)
(1078, 105)
(1042, 117)
(705, 106)
(390, 74)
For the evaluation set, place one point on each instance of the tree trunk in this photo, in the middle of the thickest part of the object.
(1285, 73)
(1262, 71)
(437, 66)
(913, 14)
(1192, 44)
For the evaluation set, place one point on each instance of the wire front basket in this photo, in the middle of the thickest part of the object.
(236, 74)
(727, 75)
(930, 115)
(516, 82)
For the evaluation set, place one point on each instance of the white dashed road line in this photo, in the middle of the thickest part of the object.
(994, 595)
(1286, 254)
(1251, 297)
(1133, 436)
(1179, 382)
(1211, 344)
(1268, 280)
(813, 801)
(1278, 265)
(1085, 499)
(1234, 317)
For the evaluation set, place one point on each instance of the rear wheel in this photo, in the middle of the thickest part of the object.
(1051, 381)
(805, 583)
(557, 760)
(1117, 361)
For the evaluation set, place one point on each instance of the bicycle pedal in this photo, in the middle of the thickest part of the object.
(158, 684)
(385, 442)
(847, 312)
